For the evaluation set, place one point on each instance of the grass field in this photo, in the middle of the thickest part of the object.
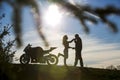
(45, 72)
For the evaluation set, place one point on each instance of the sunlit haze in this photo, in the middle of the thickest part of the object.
(52, 16)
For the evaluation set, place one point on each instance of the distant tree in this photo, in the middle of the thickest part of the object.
(81, 12)
(111, 67)
(118, 67)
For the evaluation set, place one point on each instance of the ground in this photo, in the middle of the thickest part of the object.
(45, 72)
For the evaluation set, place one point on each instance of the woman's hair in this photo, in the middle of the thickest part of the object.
(64, 39)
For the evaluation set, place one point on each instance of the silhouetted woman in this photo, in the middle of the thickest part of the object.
(66, 47)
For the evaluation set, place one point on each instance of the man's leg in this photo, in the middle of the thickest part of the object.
(81, 61)
(65, 61)
(76, 60)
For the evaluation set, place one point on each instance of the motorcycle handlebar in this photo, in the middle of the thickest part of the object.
(52, 48)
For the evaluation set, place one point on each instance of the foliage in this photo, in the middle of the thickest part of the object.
(81, 12)
(5, 47)
(6, 52)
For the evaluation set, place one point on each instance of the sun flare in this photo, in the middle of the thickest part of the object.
(52, 16)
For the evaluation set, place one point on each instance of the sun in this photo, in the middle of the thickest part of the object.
(52, 17)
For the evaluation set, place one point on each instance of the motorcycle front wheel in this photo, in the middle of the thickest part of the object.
(24, 59)
(52, 59)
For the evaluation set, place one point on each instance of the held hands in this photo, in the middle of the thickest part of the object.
(73, 48)
(73, 39)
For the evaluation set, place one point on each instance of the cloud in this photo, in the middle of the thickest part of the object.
(96, 55)
(106, 63)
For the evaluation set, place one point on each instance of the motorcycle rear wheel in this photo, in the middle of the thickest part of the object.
(52, 60)
(24, 59)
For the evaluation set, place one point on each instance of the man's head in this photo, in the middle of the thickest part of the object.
(76, 35)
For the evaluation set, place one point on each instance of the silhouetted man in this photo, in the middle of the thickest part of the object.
(78, 49)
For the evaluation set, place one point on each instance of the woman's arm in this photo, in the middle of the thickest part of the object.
(71, 41)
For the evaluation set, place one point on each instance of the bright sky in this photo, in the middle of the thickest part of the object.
(100, 47)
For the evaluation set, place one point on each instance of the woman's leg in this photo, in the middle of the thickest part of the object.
(65, 56)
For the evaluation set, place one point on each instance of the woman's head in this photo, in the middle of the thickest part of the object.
(65, 39)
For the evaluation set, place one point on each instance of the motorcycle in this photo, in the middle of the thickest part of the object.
(47, 57)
